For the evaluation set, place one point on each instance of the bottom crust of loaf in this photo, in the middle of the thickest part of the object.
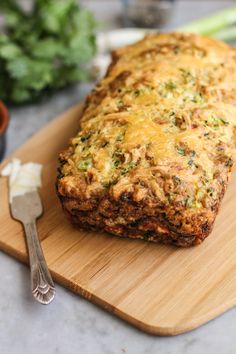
(173, 238)
(135, 225)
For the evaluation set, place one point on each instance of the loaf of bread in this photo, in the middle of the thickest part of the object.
(155, 146)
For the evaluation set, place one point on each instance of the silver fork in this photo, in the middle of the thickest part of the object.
(26, 209)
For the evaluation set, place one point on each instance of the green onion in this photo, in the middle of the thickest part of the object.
(197, 98)
(225, 122)
(212, 24)
(227, 34)
(83, 165)
(170, 85)
(180, 150)
(128, 167)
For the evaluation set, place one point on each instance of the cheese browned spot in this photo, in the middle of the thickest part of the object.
(158, 130)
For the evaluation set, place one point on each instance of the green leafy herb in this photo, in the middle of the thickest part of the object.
(128, 167)
(43, 49)
(170, 85)
(198, 98)
(136, 93)
(187, 76)
(120, 103)
(180, 150)
(83, 165)
(105, 143)
(215, 122)
(120, 137)
(116, 163)
(106, 184)
(189, 202)
(116, 158)
(224, 121)
(172, 114)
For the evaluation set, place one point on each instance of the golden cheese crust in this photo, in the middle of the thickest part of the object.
(156, 144)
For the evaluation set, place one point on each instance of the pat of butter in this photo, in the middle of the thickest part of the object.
(23, 178)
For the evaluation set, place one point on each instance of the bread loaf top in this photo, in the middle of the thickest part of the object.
(159, 127)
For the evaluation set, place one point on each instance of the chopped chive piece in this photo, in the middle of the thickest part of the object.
(120, 103)
(83, 165)
(189, 202)
(116, 163)
(197, 98)
(120, 137)
(180, 150)
(224, 121)
(170, 85)
(128, 167)
(136, 93)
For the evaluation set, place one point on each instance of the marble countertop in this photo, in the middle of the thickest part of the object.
(71, 324)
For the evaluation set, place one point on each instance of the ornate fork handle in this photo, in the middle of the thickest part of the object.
(42, 285)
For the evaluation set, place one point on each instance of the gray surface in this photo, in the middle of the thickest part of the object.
(71, 324)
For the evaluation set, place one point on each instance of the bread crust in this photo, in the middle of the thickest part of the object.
(137, 189)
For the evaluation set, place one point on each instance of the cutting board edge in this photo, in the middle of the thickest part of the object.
(150, 328)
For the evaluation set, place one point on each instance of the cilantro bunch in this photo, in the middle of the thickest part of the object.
(43, 48)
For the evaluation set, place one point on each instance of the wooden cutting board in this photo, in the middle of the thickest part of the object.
(159, 289)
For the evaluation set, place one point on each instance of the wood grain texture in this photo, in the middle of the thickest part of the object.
(159, 289)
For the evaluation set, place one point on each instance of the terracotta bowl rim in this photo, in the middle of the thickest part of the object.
(4, 120)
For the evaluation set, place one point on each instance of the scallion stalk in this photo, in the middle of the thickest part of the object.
(227, 34)
(212, 24)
